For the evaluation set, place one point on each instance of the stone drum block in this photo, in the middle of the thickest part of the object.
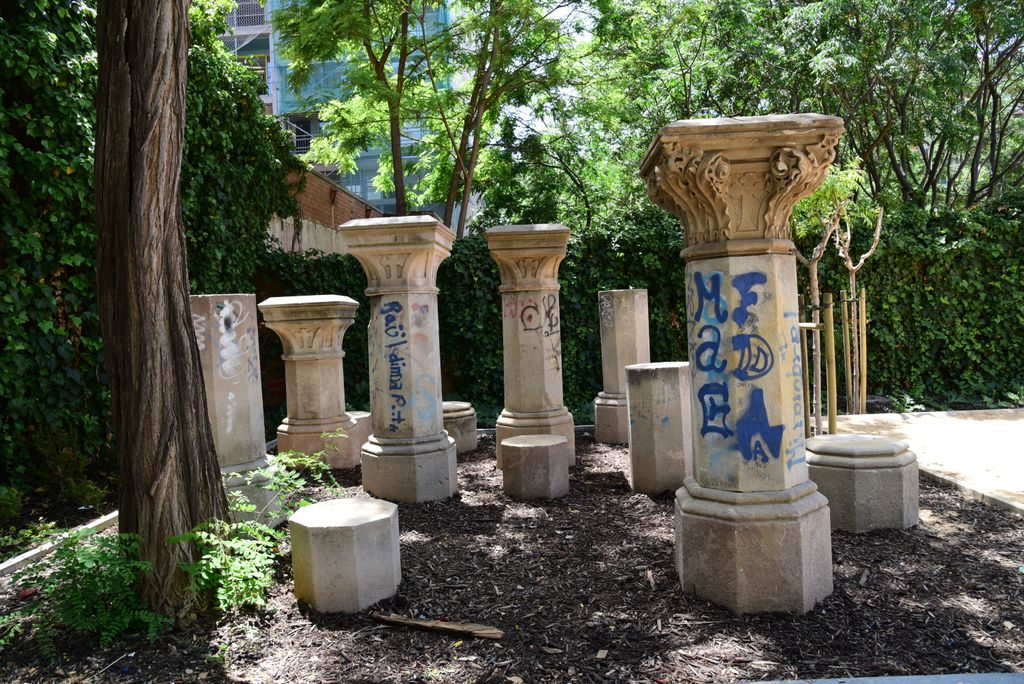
(345, 554)
(660, 448)
(871, 482)
(460, 424)
(535, 466)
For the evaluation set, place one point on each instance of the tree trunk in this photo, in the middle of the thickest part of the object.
(169, 479)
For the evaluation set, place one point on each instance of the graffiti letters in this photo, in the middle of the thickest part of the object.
(756, 357)
(713, 295)
(706, 356)
(744, 285)
(714, 410)
(757, 440)
(395, 332)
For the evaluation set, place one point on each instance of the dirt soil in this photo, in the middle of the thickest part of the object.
(585, 591)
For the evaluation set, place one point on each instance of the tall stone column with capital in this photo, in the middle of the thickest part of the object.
(408, 457)
(528, 257)
(752, 531)
(625, 341)
(311, 330)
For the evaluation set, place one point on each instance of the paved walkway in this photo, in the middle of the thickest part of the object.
(981, 452)
(985, 678)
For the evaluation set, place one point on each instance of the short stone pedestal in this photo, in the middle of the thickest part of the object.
(362, 430)
(870, 482)
(625, 340)
(408, 457)
(345, 554)
(535, 467)
(528, 257)
(311, 331)
(225, 329)
(752, 530)
(460, 424)
(660, 448)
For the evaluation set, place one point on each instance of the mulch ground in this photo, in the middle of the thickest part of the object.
(585, 591)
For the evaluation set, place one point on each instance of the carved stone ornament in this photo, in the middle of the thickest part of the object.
(399, 254)
(528, 256)
(738, 178)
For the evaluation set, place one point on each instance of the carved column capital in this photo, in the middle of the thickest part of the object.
(310, 326)
(528, 256)
(738, 178)
(399, 254)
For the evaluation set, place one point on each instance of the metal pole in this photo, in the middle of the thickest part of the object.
(830, 360)
(863, 350)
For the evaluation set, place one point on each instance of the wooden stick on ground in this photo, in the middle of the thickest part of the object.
(465, 628)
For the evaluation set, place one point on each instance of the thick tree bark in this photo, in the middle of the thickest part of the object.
(169, 479)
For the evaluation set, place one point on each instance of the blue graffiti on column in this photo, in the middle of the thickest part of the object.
(756, 357)
(795, 452)
(395, 331)
(713, 395)
(756, 439)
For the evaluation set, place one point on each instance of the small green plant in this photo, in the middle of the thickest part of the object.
(87, 585)
(236, 560)
(10, 503)
(14, 541)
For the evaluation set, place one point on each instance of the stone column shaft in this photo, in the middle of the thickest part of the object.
(408, 457)
(311, 331)
(660, 444)
(752, 532)
(625, 341)
(528, 257)
(225, 328)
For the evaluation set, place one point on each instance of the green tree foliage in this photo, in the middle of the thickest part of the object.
(415, 84)
(54, 423)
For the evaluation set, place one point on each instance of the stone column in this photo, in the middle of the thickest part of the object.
(225, 329)
(625, 341)
(408, 457)
(528, 257)
(752, 532)
(660, 448)
(311, 330)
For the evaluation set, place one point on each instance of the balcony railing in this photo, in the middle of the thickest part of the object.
(248, 13)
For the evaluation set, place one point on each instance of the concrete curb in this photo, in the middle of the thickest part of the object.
(18, 562)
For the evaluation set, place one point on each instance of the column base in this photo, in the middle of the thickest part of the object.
(555, 422)
(236, 479)
(611, 419)
(754, 552)
(410, 470)
(305, 435)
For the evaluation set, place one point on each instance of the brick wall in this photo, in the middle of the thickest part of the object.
(323, 206)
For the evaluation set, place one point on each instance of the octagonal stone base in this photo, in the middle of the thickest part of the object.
(871, 482)
(345, 554)
(611, 419)
(535, 467)
(755, 552)
(514, 424)
(460, 424)
(410, 470)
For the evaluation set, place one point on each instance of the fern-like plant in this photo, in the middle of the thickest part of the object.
(87, 585)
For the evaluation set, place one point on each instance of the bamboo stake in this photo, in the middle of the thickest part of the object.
(830, 360)
(803, 356)
(863, 355)
(846, 348)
